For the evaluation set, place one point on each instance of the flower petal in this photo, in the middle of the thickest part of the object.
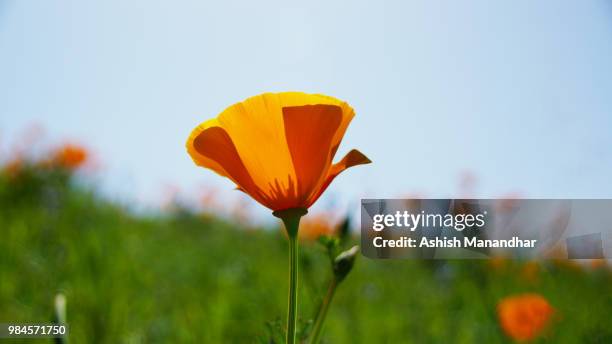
(256, 126)
(198, 158)
(212, 147)
(257, 130)
(352, 158)
(310, 130)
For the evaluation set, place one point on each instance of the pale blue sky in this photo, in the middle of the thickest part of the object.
(517, 92)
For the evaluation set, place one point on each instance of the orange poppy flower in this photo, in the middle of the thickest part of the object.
(313, 227)
(277, 147)
(70, 156)
(523, 317)
(498, 263)
(14, 167)
(530, 272)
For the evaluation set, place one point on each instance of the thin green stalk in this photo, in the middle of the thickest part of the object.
(293, 286)
(320, 319)
(291, 219)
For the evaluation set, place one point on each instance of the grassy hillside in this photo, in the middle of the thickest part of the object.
(185, 278)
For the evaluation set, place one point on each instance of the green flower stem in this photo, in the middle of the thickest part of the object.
(293, 286)
(320, 319)
(291, 219)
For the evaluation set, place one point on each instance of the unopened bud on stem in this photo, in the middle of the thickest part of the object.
(343, 264)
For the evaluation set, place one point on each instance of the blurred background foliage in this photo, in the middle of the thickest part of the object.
(181, 276)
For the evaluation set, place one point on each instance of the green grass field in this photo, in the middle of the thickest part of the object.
(185, 278)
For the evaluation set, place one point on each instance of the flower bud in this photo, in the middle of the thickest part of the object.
(344, 262)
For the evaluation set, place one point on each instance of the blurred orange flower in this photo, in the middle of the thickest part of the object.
(14, 168)
(277, 147)
(599, 263)
(530, 271)
(313, 227)
(523, 317)
(70, 156)
(498, 263)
